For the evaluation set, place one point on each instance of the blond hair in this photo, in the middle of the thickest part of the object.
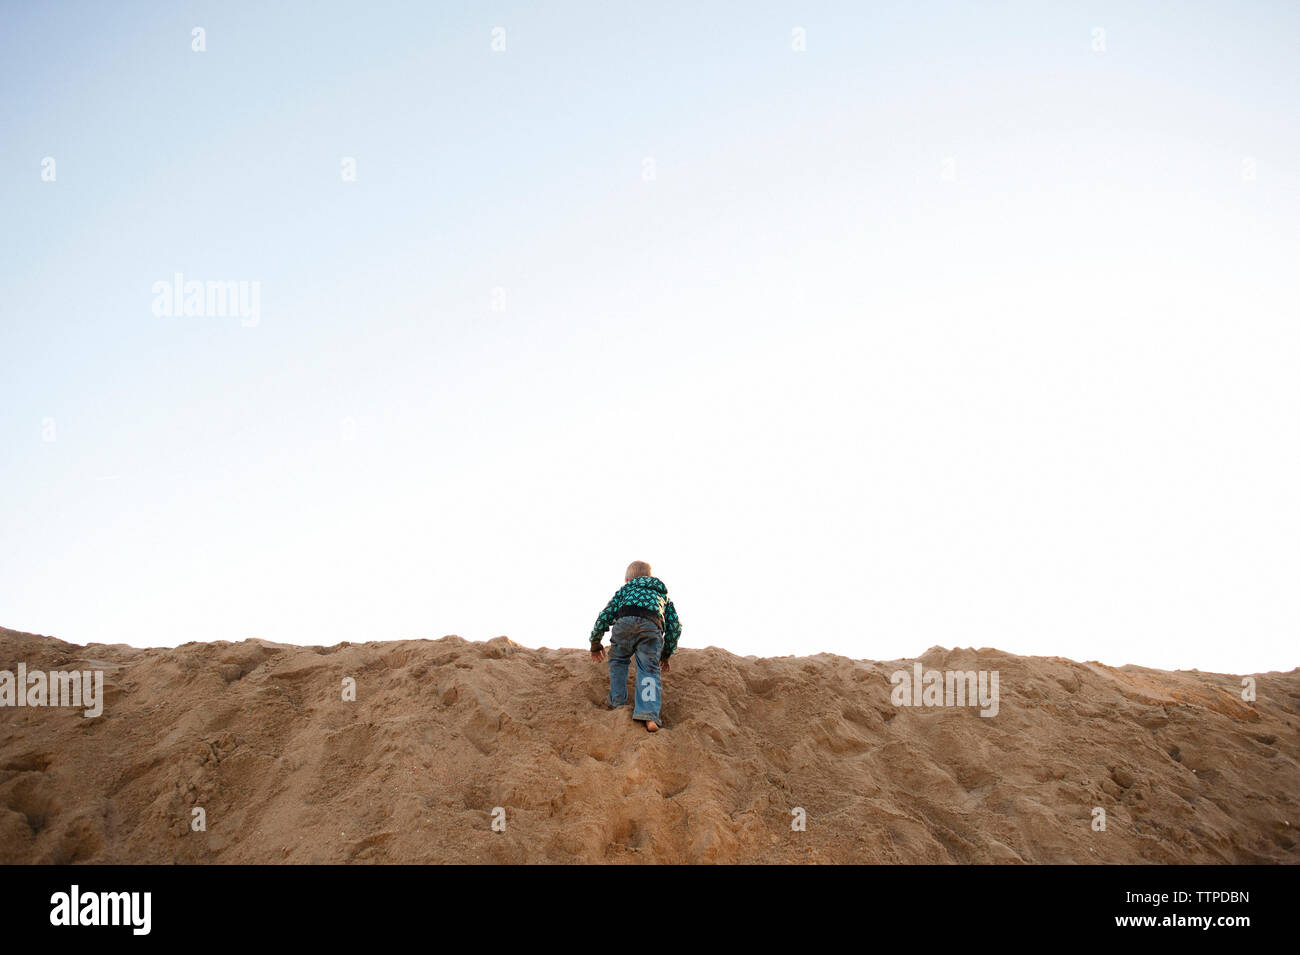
(638, 568)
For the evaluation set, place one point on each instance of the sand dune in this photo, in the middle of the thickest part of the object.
(444, 731)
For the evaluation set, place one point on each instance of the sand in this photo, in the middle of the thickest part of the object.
(443, 732)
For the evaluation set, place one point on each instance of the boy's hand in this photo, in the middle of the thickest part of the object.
(597, 654)
(664, 665)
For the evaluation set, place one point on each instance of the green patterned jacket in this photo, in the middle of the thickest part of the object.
(647, 592)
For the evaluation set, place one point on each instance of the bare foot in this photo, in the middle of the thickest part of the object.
(651, 726)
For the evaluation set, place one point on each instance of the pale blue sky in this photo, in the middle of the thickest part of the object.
(950, 330)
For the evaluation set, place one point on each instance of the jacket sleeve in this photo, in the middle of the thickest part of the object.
(672, 630)
(604, 621)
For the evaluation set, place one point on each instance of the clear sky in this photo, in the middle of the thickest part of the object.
(964, 324)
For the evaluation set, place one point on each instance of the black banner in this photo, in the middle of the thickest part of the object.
(1226, 904)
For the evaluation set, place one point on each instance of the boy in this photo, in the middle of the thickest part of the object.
(645, 626)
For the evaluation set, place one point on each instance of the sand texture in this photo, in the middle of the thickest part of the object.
(442, 732)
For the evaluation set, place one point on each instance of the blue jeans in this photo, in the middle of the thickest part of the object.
(636, 636)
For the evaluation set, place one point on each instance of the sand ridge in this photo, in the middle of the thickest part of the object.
(443, 733)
